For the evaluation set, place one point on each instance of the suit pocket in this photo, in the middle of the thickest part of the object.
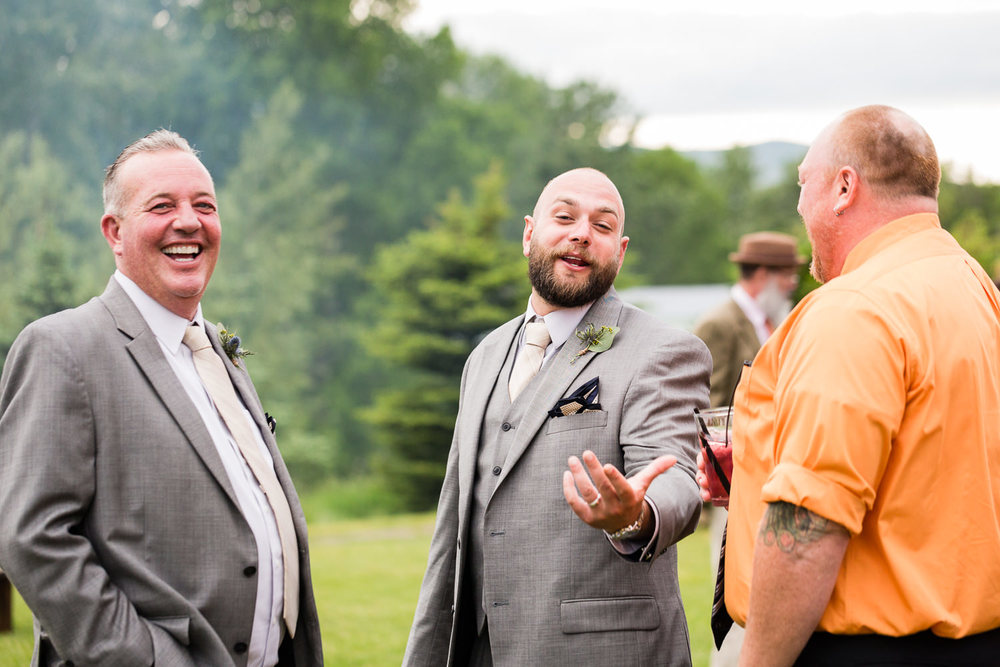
(177, 627)
(596, 419)
(639, 612)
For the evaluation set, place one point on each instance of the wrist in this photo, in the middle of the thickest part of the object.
(637, 528)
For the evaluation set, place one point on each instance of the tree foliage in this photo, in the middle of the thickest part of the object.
(372, 186)
(436, 293)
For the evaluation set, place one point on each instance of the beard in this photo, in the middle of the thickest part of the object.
(775, 303)
(816, 270)
(564, 293)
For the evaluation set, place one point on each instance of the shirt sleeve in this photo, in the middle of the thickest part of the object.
(838, 405)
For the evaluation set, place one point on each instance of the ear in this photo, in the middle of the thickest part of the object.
(847, 184)
(529, 229)
(621, 254)
(111, 228)
(756, 282)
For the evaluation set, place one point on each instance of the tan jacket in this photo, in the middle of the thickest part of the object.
(731, 339)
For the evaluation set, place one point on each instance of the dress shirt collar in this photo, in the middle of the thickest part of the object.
(752, 310)
(561, 323)
(168, 327)
(887, 235)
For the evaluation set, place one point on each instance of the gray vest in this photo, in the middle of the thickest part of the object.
(500, 423)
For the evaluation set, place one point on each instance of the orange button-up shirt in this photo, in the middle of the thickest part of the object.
(876, 404)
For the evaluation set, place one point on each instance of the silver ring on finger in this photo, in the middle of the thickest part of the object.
(593, 503)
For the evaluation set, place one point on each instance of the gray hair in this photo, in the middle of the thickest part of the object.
(158, 140)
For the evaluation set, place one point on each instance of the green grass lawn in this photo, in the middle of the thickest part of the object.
(366, 574)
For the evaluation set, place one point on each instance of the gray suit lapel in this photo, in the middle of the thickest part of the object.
(474, 407)
(148, 356)
(557, 376)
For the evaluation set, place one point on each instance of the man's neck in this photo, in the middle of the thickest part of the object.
(865, 218)
(540, 305)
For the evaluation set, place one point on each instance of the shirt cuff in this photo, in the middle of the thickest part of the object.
(819, 494)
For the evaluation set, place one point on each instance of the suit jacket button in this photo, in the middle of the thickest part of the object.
(240, 647)
(249, 571)
(506, 426)
(497, 470)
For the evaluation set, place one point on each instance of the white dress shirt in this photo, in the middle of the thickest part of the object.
(169, 328)
(561, 323)
(752, 310)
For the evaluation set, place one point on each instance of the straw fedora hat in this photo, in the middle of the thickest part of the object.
(768, 249)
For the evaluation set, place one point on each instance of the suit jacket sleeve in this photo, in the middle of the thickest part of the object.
(430, 635)
(658, 419)
(47, 468)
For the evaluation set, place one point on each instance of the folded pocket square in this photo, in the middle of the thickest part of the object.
(583, 399)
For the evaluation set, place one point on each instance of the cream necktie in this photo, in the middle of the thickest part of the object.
(529, 360)
(213, 374)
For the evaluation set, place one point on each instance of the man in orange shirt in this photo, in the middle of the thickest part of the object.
(864, 520)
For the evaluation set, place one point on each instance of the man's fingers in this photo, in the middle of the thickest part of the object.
(587, 490)
(609, 480)
(641, 480)
(703, 486)
(571, 495)
(598, 474)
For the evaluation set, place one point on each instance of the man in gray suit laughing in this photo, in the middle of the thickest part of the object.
(146, 515)
(583, 381)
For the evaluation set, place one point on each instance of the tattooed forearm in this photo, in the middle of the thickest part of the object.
(786, 526)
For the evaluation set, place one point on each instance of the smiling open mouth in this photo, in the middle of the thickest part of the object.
(183, 253)
(574, 261)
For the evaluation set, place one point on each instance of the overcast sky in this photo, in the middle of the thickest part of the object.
(718, 72)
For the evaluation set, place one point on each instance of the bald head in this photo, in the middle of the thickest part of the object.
(581, 178)
(573, 240)
(889, 150)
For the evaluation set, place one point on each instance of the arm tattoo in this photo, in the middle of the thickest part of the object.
(786, 526)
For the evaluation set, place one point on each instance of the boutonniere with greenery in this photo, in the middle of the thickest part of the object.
(595, 340)
(231, 345)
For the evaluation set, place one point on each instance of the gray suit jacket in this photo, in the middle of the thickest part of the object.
(118, 523)
(556, 590)
(731, 339)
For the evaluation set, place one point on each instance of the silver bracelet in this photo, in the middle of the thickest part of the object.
(628, 531)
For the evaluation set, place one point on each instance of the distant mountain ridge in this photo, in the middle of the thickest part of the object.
(770, 159)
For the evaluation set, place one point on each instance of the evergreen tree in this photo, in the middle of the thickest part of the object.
(280, 268)
(52, 254)
(436, 293)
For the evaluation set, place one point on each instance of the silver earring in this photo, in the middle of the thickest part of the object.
(837, 213)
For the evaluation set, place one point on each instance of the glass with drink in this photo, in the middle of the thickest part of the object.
(714, 433)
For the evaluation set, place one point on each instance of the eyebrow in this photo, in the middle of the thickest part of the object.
(168, 195)
(572, 202)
